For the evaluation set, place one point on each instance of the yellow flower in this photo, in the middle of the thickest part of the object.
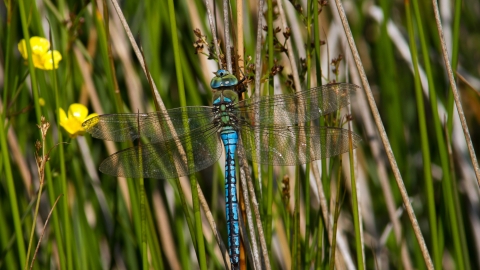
(41, 101)
(42, 57)
(39, 46)
(50, 60)
(77, 113)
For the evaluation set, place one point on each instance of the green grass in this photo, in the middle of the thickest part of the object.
(101, 222)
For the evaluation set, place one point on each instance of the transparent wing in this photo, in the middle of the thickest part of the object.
(288, 146)
(167, 159)
(290, 109)
(155, 125)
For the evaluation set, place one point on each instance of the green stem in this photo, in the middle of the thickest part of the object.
(318, 69)
(316, 40)
(193, 181)
(31, 67)
(66, 219)
(336, 214)
(437, 254)
(269, 85)
(38, 113)
(455, 40)
(63, 174)
(35, 214)
(157, 261)
(11, 191)
(356, 216)
(112, 77)
(307, 125)
(8, 55)
(144, 226)
(101, 24)
(296, 249)
(455, 49)
(5, 161)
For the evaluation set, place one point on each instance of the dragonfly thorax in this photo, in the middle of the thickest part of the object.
(225, 109)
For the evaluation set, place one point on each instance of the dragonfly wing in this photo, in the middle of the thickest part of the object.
(167, 159)
(288, 146)
(155, 126)
(300, 107)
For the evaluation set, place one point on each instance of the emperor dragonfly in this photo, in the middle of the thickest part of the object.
(185, 140)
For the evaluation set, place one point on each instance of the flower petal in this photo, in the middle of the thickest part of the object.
(48, 59)
(73, 128)
(22, 48)
(39, 45)
(77, 111)
(72, 123)
(63, 117)
(37, 61)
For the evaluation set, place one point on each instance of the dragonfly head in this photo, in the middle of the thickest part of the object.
(222, 79)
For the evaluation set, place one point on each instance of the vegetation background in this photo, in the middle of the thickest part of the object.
(101, 222)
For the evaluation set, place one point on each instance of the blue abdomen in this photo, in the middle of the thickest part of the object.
(230, 139)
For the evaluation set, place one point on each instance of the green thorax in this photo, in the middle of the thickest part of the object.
(225, 107)
(225, 98)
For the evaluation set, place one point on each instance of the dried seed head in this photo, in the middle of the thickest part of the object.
(38, 145)
(336, 63)
(276, 68)
(39, 160)
(197, 33)
(44, 126)
(287, 33)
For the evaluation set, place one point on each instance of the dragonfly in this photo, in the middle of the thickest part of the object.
(272, 130)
